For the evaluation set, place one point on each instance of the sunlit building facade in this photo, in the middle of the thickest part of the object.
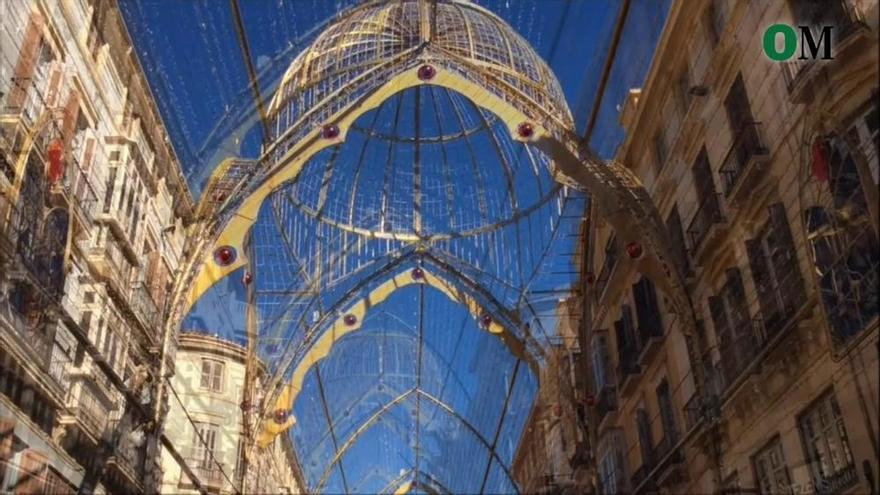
(92, 213)
(206, 408)
(766, 174)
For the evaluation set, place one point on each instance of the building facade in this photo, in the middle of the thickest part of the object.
(206, 419)
(92, 225)
(766, 174)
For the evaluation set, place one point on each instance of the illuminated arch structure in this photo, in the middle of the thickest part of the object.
(401, 240)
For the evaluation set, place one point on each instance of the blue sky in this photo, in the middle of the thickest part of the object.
(190, 52)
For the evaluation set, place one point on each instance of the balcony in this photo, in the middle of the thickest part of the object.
(144, 307)
(120, 225)
(628, 370)
(741, 169)
(851, 32)
(650, 338)
(693, 412)
(670, 470)
(89, 410)
(640, 480)
(707, 223)
(206, 470)
(128, 459)
(606, 405)
(838, 482)
(25, 99)
(608, 266)
(110, 267)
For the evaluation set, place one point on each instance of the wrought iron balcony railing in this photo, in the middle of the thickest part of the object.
(143, 305)
(747, 145)
(205, 469)
(708, 214)
(606, 402)
(843, 16)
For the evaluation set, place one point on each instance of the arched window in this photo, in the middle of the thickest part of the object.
(843, 245)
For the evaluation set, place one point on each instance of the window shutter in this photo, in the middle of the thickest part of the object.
(27, 60)
(644, 427)
(785, 260)
(763, 279)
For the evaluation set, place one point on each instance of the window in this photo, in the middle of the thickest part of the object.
(212, 375)
(612, 470)
(826, 447)
(204, 444)
(774, 266)
(716, 16)
(643, 425)
(667, 414)
(771, 473)
(647, 311)
(601, 362)
(676, 238)
(660, 150)
(708, 210)
(108, 194)
(733, 329)
(627, 344)
(683, 90)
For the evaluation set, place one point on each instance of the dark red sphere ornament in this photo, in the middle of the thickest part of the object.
(330, 131)
(225, 255)
(427, 72)
(634, 250)
(350, 319)
(486, 320)
(590, 278)
(525, 130)
(280, 416)
(418, 273)
(56, 160)
(247, 278)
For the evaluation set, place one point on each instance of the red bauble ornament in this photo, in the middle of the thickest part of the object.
(589, 400)
(557, 409)
(427, 72)
(525, 130)
(350, 319)
(330, 131)
(225, 255)
(280, 416)
(590, 278)
(486, 320)
(820, 159)
(418, 273)
(56, 160)
(634, 250)
(247, 278)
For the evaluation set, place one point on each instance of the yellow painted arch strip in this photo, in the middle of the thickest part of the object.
(235, 231)
(322, 347)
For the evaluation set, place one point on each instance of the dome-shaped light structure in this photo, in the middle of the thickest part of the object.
(435, 192)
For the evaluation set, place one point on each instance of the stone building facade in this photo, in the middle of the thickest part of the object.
(93, 209)
(767, 176)
(206, 419)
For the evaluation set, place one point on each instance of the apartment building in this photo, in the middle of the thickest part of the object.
(206, 419)
(767, 175)
(92, 214)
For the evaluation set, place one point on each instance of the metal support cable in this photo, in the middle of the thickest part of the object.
(248, 61)
(606, 70)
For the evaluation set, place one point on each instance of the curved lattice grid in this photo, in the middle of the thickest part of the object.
(421, 392)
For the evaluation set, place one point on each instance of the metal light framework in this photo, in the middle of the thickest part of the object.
(417, 198)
